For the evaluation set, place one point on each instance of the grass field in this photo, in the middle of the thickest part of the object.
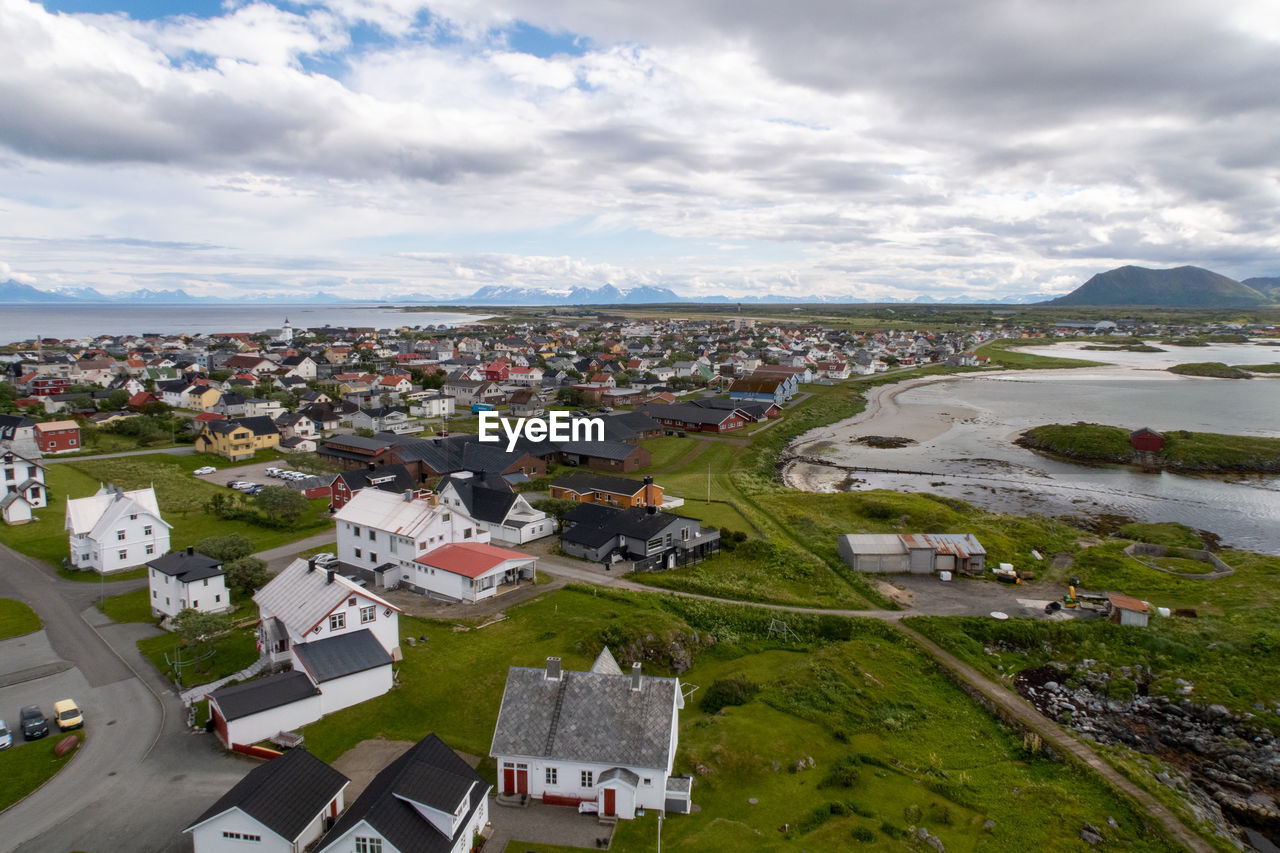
(182, 498)
(232, 652)
(25, 767)
(1199, 451)
(16, 619)
(128, 607)
(893, 742)
(1211, 369)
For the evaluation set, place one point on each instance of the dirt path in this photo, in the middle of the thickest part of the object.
(1019, 709)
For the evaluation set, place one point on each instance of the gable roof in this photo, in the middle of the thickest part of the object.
(469, 559)
(99, 511)
(592, 717)
(482, 500)
(300, 598)
(263, 694)
(583, 483)
(429, 773)
(387, 478)
(390, 512)
(345, 654)
(284, 795)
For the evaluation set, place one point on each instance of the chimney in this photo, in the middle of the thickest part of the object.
(652, 510)
(372, 467)
(328, 576)
(635, 676)
(191, 549)
(311, 564)
(553, 669)
(408, 495)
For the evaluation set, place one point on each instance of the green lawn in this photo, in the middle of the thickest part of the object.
(893, 742)
(26, 766)
(182, 498)
(232, 652)
(16, 619)
(128, 607)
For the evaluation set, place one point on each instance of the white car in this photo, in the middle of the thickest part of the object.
(273, 472)
(208, 469)
(244, 486)
(6, 739)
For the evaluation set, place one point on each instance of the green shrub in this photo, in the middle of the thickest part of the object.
(864, 835)
(734, 690)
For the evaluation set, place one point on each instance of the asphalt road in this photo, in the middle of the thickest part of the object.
(185, 450)
(140, 777)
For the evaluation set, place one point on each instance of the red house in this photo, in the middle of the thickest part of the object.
(58, 436)
(47, 386)
(1146, 439)
(497, 370)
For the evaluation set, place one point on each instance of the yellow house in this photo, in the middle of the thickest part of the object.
(203, 398)
(238, 439)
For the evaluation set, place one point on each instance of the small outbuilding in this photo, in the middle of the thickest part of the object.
(914, 553)
(1124, 610)
(1146, 439)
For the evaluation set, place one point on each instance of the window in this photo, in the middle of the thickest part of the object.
(351, 602)
(368, 845)
(373, 558)
(133, 517)
(244, 836)
(73, 442)
(355, 529)
(357, 553)
(146, 531)
(124, 555)
(368, 614)
(648, 781)
(551, 775)
(217, 599)
(155, 594)
(373, 536)
(337, 621)
(654, 544)
(466, 533)
(446, 516)
(587, 779)
(196, 604)
(151, 549)
(119, 535)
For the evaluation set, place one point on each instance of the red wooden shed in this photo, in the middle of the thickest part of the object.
(1146, 439)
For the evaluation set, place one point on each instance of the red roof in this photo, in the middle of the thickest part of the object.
(209, 416)
(469, 559)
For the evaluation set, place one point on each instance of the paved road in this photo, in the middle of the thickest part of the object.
(278, 558)
(140, 777)
(184, 450)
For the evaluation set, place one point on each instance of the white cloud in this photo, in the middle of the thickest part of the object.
(861, 149)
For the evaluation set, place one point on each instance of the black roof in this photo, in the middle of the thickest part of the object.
(261, 425)
(583, 483)
(390, 478)
(345, 654)
(253, 697)
(637, 523)
(429, 773)
(689, 413)
(187, 568)
(284, 795)
(486, 498)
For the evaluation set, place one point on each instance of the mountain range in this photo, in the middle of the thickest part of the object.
(1181, 287)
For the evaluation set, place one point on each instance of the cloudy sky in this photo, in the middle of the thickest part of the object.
(868, 149)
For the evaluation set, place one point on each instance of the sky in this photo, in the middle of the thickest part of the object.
(836, 149)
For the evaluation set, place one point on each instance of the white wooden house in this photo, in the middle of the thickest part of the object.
(114, 530)
(380, 534)
(426, 801)
(601, 736)
(508, 516)
(22, 488)
(339, 639)
(187, 580)
(281, 806)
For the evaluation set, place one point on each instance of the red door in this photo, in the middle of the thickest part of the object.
(522, 779)
(609, 808)
(509, 779)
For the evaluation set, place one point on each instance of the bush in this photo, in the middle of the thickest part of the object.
(735, 690)
(864, 834)
(845, 774)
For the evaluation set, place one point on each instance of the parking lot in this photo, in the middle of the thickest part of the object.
(255, 473)
(28, 658)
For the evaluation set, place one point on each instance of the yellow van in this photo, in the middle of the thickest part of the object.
(68, 715)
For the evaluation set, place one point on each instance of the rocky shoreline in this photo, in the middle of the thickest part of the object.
(1224, 766)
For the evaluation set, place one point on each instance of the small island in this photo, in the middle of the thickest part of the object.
(1211, 369)
(1176, 450)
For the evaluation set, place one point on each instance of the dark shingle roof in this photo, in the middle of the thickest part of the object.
(429, 773)
(592, 717)
(187, 568)
(345, 654)
(400, 478)
(583, 483)
(284, 795)
(243, 700)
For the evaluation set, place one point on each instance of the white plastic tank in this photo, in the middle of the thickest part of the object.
(944, 576)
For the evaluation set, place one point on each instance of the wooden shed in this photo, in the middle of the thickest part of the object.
(1146, 439)
(1124, 610)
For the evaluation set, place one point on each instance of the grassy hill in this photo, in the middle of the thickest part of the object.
(1190, 287)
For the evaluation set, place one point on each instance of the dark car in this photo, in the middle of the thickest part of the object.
(34, 724)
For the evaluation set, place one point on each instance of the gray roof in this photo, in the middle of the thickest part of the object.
(253, 697)
(345, 654)
(621, 774)
(187, 568)
(593, 717)
(283, 795)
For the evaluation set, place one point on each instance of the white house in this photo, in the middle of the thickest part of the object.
(340, 641)
(470, 571)
(506, 515)
(381, 534)
(426, 801)
(281, 806)
(430, 404)
(599, 736)
(114, 530)
(187, 580)
(22, 488)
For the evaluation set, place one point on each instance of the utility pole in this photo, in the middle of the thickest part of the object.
(708, 482)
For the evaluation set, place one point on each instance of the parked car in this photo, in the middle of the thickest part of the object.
(208, 469)
(68, 714)
(33, 723)
(6, 739)
(231, 484)
(274, 472)
(254, 489)
(244, 486)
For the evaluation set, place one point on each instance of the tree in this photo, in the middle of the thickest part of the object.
(225, 549)
(117, 399)
(198, 629)
(282, 503)
(246, 576)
